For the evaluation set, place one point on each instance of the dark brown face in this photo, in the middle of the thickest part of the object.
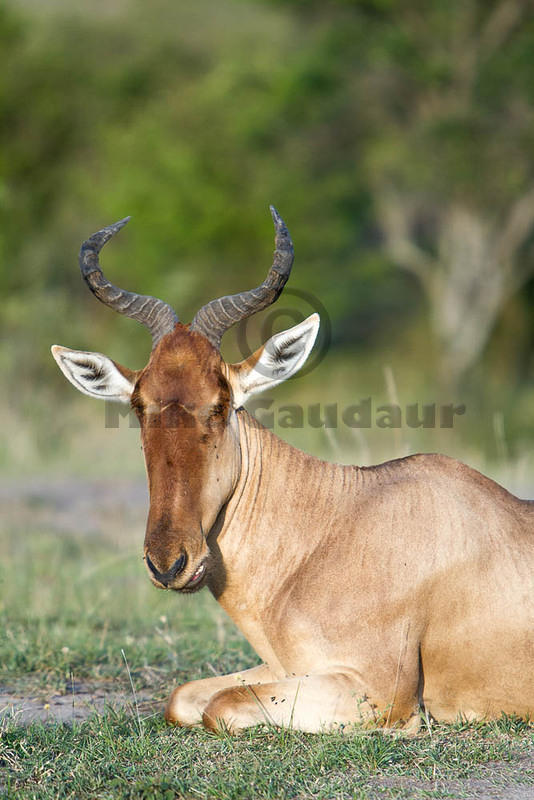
(183, 402)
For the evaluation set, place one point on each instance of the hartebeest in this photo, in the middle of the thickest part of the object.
(368, 593)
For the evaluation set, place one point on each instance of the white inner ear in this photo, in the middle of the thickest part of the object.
(93, 374)
(281, 356)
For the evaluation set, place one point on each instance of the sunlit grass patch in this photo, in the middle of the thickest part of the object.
(71, 604)
(110, 756)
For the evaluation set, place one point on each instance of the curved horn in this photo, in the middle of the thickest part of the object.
(214, 319)
(158, 317)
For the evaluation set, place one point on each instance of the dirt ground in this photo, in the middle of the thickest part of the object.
(76, 506)
(498, 780)
(79, 508)
(76, 704)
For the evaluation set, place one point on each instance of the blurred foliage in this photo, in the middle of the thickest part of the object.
(194, 117)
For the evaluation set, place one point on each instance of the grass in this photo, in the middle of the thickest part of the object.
(72, 603)
(108, 756)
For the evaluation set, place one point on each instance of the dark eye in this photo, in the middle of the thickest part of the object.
(217, 410)
(137, 406)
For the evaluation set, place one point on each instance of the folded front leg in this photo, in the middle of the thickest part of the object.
(187, 702)
(310, 703)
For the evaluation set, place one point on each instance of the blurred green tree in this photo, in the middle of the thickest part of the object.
(389, 135)
(193, 121)
(442, 97)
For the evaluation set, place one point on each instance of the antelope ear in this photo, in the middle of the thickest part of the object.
(95, 374)
(278, 359)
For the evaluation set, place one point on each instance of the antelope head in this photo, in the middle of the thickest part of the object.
(186, 400)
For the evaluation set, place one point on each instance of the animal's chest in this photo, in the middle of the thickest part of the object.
(287, 635)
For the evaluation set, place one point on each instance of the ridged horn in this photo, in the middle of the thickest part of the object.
(156, 315)
(215, 318)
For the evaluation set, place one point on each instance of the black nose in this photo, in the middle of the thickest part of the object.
(166, 577)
